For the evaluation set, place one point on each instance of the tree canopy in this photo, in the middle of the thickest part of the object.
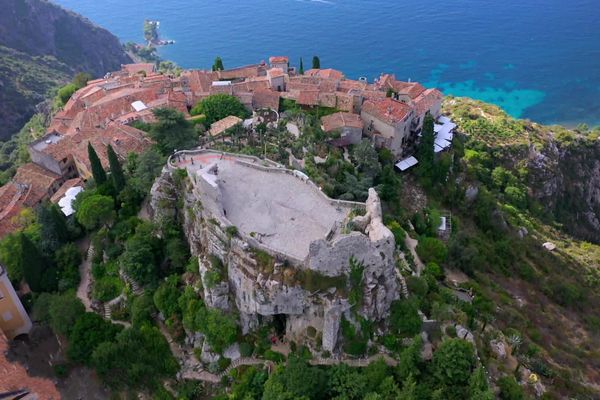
(95, 210)
(97, 170)
(172, 131)
(316, 62)
(219, 106)
(116, 171)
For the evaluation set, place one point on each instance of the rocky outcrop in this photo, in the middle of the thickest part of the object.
(263, 284)
(565, 179)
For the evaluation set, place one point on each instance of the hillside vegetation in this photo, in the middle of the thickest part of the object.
(41, 47)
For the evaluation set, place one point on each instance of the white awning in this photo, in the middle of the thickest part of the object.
(65, 202)
(221, 83)
(138, 106)
(407, 163)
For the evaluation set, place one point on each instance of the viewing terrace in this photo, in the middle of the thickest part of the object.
(274, 208)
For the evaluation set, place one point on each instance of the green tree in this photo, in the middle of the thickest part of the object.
(95, 211)
(54, 229)
(426, 153)
(142, 310)
(88, 332)
(298, 379)
(218, 64)
(65, 93)
(167, 296)
(172, 131)
(142, 255)
(10, 256)
(64, 310)
(432, 250)
(316, 62)
(453, 362)
(67, 259)
(39, 275)
(301, 69)
(409, 389)
(347, 383)
(149, 165)
(116, 171)
(409, 363)
(81, 79)
(219, 106)
(366, 158)
(404, 317)
(97, 170)
(478, 386)
(137, 358)
(510, 389)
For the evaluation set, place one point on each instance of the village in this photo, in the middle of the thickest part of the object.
(388, 112)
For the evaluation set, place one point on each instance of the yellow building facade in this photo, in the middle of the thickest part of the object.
(14, 320)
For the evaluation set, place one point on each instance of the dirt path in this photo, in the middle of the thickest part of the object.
(84, 273)
(412, 245)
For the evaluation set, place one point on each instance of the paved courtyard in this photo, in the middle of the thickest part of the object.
(278, 209)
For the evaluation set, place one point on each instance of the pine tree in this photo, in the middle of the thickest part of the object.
(116, 171)
(218, 64)
(316, 63)
(301, 69)
(97, 170)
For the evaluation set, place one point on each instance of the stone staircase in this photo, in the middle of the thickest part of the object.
(245, 361)
(135, 287)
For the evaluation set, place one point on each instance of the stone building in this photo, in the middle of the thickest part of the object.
(287, 247)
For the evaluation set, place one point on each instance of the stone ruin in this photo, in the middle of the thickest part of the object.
(284, 245)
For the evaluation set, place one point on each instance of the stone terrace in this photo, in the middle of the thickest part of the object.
(279, 208)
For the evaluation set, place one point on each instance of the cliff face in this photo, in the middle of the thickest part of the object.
(42, 46)
(560, 167)
(565, 179)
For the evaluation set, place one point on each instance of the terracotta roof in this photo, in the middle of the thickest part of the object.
(14, 378)
(265, 99)
(39, 180)
(325, 73)
(222, 125)
(64, 187)
(12, 196)
(132, 69)
(308, 97)
(426, 100)
(387, 110)
(341, 120)
(275, 73)
(278, 60)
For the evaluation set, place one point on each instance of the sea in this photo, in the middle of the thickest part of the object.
(537, 59)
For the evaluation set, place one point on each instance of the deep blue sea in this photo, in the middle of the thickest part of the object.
(538, 59)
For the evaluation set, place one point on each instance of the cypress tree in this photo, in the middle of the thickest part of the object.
(426, 152)
(116, 171)
(33, 264)
(316, 63)
(301, 69)
(97, 170)
(218, 64)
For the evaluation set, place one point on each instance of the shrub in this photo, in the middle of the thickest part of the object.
(510, 389)
(274, 356)
(405, 318)
(434, 270)
(432, 250)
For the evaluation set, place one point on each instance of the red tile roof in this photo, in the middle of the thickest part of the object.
(278, 60)
(387, 110)
(133, 69)
(12, 196)
(266, 99)
(325, 73)
(308, 98)
(341, 120)
(39, 180)
(426, 100)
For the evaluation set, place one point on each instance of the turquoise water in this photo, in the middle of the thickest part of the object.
(538, 59)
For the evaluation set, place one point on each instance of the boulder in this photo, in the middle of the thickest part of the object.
(498, 348)
(549, 246)
(464, 333)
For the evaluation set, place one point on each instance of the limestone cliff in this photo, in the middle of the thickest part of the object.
(560, 167)
(239, 272)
